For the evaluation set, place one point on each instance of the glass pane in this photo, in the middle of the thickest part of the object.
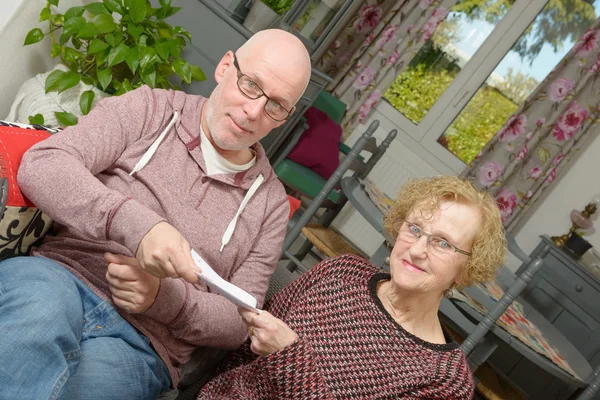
(545, 42)
(437, 63)
(316, 16)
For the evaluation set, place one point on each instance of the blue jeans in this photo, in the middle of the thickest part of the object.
(59, 340)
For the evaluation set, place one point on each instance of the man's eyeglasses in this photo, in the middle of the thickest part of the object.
(251, 90)
(410, 232)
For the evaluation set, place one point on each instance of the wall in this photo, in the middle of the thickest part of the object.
(550, 216)
(574, 190)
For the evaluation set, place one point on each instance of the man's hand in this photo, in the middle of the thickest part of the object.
(164, 253)
(267, 333)
(133, 290)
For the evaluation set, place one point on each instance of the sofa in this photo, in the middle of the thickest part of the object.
(23, 226)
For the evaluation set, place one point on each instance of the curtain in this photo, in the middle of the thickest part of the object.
(536, 143)
(370, 52)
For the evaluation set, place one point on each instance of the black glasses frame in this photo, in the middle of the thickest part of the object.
(240, 75)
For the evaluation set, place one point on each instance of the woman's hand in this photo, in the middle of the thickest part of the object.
(133, 289)
(267, 333)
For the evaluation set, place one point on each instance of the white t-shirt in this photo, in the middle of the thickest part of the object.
(216, 163)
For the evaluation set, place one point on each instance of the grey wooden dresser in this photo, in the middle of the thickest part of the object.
(567, 293)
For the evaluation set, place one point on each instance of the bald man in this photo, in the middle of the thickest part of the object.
(99, 310)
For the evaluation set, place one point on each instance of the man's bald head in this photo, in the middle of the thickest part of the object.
(285, 51)
(271, 70)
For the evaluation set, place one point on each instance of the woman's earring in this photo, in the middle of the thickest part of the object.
(387, 261)
(448, 292)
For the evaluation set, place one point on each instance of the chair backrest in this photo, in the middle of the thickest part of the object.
(329, 185)
(330, 105)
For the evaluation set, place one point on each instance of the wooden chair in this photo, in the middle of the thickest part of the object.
(323, 236)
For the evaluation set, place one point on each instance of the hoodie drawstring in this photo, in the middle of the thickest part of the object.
(231, 227)
(255, 185)
(152, 149)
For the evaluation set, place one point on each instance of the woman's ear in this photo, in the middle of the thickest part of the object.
(223, 65)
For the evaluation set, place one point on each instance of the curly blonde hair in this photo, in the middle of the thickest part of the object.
(425, 194)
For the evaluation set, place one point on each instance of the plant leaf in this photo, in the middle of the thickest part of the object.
(68, 80)
(37, 119)
(88, 80)
(33, 36)
(110, 39)
(45, 15)
(162, 49)
(114, 6)
(57, 19)
(135, 30)
(174, 48)
(101, 57)
(52, 80)
(137, 10)
(72, 55)
(182, 32)
(118, 54)
(172, 11)
(132, 59)
(197, 73)
(97, 45)
(165, 3)
(85, 101)
(183, 69)
(147, 57)
(89, 30)
(66, 119)
(105, 23)
(97, 8)
(149, 77)
(53, 2)
(55, 51)
(73, 12)
(73, 25)
(104, 77)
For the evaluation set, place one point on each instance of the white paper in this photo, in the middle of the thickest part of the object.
(226, 289)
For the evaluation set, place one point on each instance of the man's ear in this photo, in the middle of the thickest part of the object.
(222, 66)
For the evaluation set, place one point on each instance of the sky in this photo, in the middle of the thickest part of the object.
(474, 33)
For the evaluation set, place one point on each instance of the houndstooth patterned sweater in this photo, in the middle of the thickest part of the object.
(349, 347)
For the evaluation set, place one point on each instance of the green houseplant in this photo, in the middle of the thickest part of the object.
(279, 6)
(113, 45)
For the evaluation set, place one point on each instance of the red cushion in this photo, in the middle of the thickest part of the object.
(14, 142)
(318, 147)
(294, 205)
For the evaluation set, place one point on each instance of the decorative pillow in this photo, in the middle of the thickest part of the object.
(22, 225)
(319, 146)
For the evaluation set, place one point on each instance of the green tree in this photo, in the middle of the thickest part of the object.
(559, 21)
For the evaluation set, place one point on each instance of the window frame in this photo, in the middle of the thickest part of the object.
(475, 72)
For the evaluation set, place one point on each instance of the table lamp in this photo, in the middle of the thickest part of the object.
(581, 222)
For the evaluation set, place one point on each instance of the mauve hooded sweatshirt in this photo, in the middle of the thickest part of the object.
(81, 177)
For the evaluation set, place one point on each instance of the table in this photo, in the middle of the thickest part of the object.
(464, 318)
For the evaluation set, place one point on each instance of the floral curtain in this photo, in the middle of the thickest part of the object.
(559, 118)
(371, 51)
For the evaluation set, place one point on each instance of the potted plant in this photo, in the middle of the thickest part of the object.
(265, 12)
(112, 46)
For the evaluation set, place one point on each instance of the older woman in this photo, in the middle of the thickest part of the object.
(347, 330)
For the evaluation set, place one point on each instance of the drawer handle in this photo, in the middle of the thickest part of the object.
(579, 288)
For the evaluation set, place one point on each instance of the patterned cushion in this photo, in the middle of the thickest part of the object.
(22, 225)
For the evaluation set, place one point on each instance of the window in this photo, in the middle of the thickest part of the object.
(479, 65)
